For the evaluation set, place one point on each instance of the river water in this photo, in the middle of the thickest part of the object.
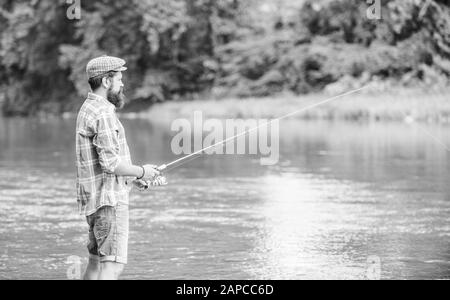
(346, 201)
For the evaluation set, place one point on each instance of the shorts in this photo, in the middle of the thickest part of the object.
(108, 234)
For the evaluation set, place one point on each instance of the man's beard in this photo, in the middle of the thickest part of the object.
(117, 99)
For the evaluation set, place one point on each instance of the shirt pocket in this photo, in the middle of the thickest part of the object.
(120, 129)
(116, 135)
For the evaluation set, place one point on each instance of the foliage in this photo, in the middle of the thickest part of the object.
(330, 41)
(181, 49)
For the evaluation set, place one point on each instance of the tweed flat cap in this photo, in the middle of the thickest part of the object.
(104, 64)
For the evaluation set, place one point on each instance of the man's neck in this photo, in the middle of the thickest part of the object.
(101, 93)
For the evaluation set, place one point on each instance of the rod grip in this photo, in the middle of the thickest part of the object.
(162, 168)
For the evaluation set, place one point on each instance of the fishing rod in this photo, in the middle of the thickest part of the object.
(191, 157)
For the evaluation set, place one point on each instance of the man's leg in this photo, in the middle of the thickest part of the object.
(112, 231)
(93, 268)
(110, 270)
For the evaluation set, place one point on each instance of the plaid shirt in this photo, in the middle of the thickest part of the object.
(100, 146)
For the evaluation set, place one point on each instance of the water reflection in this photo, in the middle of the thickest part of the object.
(341, 193)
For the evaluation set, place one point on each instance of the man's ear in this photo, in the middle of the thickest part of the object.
(106, 82)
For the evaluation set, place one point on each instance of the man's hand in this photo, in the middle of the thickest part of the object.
(151, 171)
(141, 184)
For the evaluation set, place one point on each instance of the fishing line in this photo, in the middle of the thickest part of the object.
(189, 157)
(428, 133)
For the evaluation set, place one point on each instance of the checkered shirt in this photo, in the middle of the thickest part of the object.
(100, 147)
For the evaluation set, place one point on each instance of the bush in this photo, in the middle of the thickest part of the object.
(184, 48)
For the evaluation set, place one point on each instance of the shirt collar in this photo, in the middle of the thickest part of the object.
(92, 96)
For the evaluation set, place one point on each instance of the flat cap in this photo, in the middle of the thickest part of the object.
(104, 64)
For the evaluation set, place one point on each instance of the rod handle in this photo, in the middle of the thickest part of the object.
(161, 168)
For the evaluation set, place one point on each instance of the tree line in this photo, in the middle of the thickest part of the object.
(188, 49)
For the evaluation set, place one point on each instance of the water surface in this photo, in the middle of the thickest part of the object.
(342, 196)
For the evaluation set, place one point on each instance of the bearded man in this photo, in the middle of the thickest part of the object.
(105, 173)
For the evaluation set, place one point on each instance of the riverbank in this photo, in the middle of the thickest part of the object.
(401, 105)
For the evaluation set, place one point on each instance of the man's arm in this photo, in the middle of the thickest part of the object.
(144, 172)
(124, 169)
(106, 142)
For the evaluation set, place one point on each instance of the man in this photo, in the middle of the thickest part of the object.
(105, 172)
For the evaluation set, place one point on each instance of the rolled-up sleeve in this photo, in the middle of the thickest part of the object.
(106, 142)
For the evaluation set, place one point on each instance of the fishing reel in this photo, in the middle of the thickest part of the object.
(144, 185)
(159, 180)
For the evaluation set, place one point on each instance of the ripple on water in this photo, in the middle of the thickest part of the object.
(332, 202)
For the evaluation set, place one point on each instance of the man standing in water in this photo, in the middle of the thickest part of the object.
(105, 172)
